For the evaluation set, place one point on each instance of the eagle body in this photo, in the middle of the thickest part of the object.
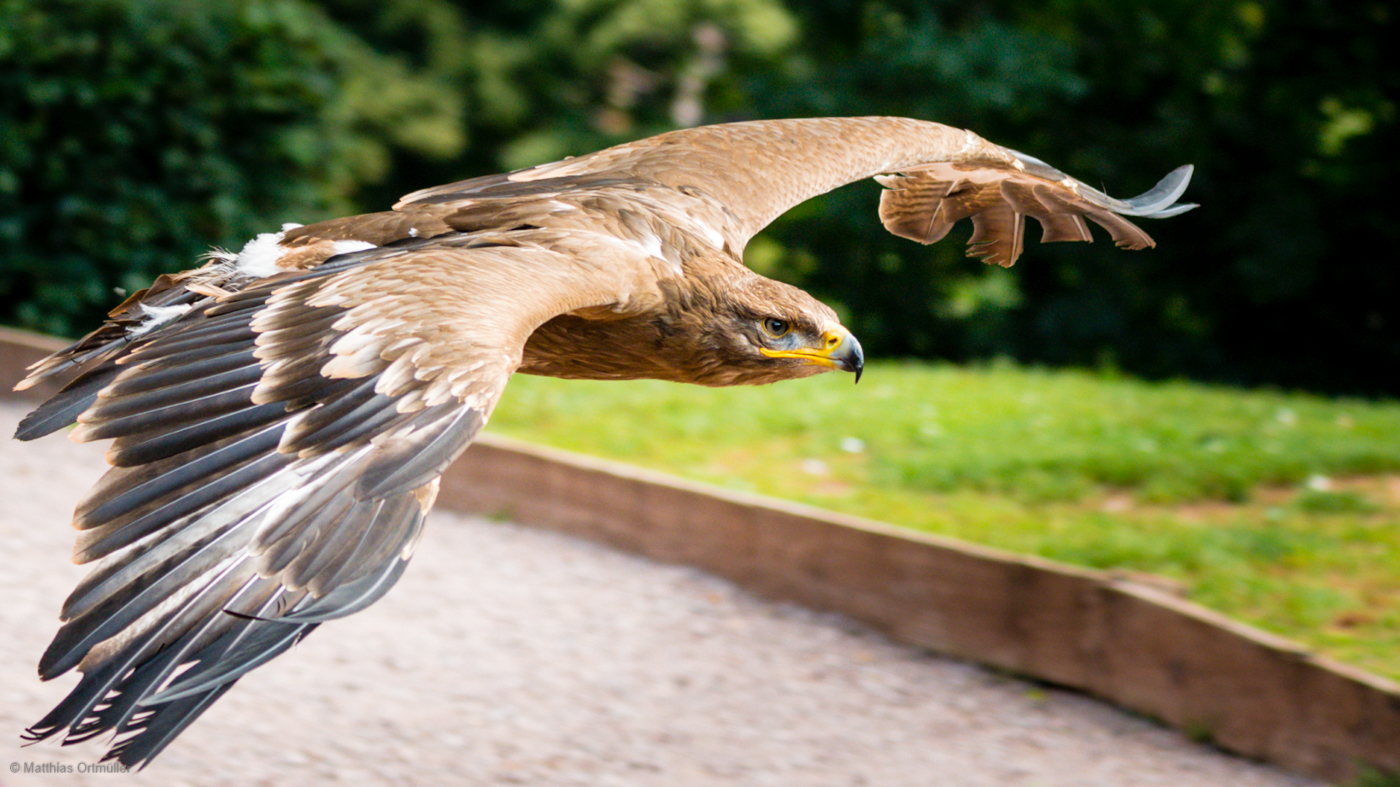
(280, 416)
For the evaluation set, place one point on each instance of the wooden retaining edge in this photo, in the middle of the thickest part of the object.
(1243, 689)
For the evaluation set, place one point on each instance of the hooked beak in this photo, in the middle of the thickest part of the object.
(838, 349)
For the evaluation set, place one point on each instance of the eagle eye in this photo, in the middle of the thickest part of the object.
(776, 327)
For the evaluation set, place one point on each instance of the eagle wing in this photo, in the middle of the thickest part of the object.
(734, 179)
(275, 451)
(923, 202)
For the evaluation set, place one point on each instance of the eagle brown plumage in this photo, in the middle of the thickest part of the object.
(280, 417)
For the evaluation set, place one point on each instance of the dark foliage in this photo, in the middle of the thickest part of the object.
(139, 131)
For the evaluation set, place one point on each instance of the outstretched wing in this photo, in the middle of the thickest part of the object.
(923, 202)
(275, 451)
(731, 180)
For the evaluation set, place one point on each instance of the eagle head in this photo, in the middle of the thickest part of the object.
(762, 331)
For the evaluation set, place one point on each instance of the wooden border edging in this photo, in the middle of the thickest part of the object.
(1141, 648)
(1245, 690)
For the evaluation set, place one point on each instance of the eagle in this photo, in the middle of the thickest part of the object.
(280, 416)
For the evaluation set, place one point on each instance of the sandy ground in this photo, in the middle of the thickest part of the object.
(508, 655)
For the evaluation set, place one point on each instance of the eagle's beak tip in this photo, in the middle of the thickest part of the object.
(851, 356)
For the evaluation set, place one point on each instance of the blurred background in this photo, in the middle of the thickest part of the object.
(1218, 413)
(136, 133)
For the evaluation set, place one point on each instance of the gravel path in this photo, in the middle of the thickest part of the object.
(508, 655)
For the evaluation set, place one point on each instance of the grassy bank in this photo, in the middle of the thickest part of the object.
(1279, 509)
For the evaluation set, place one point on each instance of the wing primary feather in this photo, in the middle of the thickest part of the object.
(186, 534)
(358, 543)
(1154, 200)
(348, 565)
(1175, 210)
(1161, 196)
(79, 703)
(202, 645)
(1125, 234)
(216, 373)
(103, 423)
(271, 639)
(423, 457)
(286, 543)
(138, 750)
(308, 562)
(135, 450)
(137, 598)
(370, 418)
(121, 708)
(349, 598)
(159, 355)
(358, 401)
(108, 537)
(288, 528)
(119, 493)
(78, 636)
(64, 408)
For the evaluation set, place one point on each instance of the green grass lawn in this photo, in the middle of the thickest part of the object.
(1282, 510)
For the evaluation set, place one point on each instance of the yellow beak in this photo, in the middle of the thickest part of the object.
(838, 349)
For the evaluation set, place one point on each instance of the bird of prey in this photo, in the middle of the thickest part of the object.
(280, 416)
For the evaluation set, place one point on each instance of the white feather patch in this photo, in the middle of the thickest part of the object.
(157, 316)
(348, 246)
(652, 245)
(260, 255)
(355, 341)
(712, 235)
(219, 255)
(361, 363)
(394, 380)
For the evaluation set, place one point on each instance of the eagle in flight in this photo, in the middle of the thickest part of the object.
(280, 416)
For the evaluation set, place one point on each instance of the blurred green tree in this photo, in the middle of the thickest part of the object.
(543, 79)
(1288, 109)
(138, 131)
(135, 133)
